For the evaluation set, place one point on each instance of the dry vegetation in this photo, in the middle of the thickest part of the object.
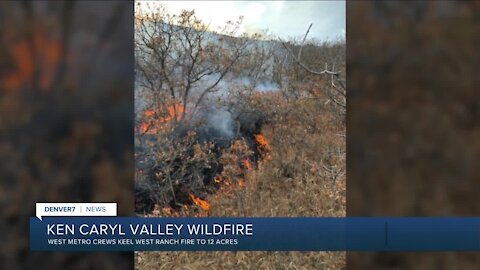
(283, 156)
(305, 177)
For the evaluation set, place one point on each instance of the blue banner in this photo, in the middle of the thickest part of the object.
(256, 234)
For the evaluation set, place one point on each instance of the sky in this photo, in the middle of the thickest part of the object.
(285, 19)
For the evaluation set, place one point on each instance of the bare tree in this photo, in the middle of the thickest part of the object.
(180, 60)
(337, 90)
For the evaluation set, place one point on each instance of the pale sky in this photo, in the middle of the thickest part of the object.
(282, 18)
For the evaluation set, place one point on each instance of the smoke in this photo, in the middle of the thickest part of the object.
(221, 121)
(214, 123)
(260, 85)
(267, 86)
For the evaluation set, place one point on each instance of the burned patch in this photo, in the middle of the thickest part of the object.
(187, 161)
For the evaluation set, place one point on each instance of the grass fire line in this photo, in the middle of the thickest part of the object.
(166, 229)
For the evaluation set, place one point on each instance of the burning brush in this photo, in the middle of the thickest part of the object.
(154, 120)
(201, 203)
(263, 147)
(179, 166)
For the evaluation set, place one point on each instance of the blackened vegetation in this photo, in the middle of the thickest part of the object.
(189, 158)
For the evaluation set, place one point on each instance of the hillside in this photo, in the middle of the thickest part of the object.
(234, 126)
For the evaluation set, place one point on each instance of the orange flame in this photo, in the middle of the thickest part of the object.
(174, 111)
(263, 146)
(201, 203)
(149, 113)
(247, 164)
(144, 127)
(241, 183)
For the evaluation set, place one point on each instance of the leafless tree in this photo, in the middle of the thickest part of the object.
(336, 74)
(180, 60)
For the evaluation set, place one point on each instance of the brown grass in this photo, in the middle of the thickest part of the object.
(305, 177)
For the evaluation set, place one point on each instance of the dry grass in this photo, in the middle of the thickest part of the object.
(239, 260)
(305, 177)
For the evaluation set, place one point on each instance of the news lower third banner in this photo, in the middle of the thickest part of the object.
(82, 233)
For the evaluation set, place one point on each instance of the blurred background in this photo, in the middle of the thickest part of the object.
(413, 119)
(66, 119)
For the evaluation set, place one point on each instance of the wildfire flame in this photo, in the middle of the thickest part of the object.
(144, 127)
(247, 164)
(263, 146)
(201, 203)
(227, 181)
(150, 113)
(174, 111)
(241, 183)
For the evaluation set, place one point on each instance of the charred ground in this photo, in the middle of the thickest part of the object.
(242, 129)
(200, 145)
